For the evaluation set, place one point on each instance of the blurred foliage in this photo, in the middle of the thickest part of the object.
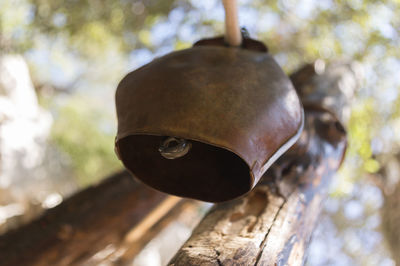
(361, 130)
(81, 132)
(84, 48)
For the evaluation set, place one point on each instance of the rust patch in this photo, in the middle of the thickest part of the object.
(236, 216)
(254, 207)
(66, 231)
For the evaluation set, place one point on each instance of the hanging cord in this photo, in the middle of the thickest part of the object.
(173, 148)
(233, 35)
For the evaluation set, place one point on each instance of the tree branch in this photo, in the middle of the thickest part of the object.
(273, 224)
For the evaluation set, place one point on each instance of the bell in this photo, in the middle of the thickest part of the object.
(208, 121)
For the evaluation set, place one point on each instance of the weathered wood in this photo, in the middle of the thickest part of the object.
(388, 179)
(273, 224)
(103, 217)
(185, 213)
(390, 214)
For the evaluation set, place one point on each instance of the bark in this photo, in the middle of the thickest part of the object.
(388, 179)
(273, 224)
(390, 222)
(97, 221)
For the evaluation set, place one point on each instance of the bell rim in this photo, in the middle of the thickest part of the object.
(147, 133)
(285, 146)
(263, 168)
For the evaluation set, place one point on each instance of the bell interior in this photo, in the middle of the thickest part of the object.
(206, 172)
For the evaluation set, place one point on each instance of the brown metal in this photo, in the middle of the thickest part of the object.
(237, 108)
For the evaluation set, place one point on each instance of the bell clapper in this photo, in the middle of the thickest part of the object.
(180, 149)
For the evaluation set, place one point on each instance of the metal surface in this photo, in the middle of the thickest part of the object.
(235, 105)
(168, 151)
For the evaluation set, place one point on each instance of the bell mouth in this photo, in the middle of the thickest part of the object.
(206, 172)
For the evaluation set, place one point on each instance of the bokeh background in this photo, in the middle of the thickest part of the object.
(58, 123)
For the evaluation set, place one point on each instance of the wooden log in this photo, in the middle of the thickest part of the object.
(273, 224)
(187, 213)
(388, 180)
(97, 220)
(390, 214)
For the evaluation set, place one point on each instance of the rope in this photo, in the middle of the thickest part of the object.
(233, 35)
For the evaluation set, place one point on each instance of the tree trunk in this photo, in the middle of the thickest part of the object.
(391, 222)
(272, 224)
(389, 181)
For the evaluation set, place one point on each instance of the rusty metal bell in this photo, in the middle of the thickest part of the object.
(208, 121)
